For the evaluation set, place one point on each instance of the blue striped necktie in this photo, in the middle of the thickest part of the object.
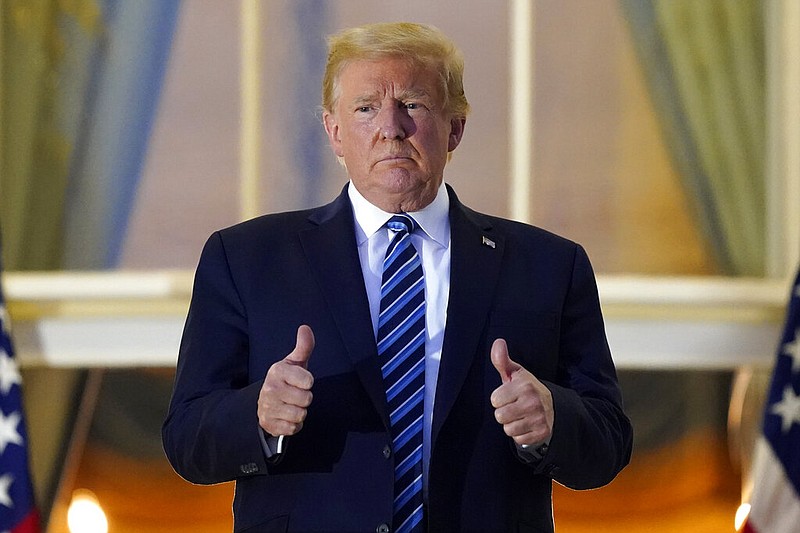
(401, 351)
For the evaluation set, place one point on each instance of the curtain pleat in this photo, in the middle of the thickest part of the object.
(34, 150)
(705, 66)
(79, 85)
(120, 101)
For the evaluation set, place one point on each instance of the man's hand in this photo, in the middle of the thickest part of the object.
(286, 393)
(522, 404)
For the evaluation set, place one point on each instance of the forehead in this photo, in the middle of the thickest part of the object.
(388, 76)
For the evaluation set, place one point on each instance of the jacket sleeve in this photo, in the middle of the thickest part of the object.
(592, 436)
(211, 432)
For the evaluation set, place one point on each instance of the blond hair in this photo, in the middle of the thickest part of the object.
(421, 44)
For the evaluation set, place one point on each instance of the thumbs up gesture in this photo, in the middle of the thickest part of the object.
(286, 393)
(522, 404)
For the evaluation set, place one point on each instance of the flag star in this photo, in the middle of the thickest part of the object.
(9, 373)
(8, 430)
(5, 483)
(788, 409)
(792, 349)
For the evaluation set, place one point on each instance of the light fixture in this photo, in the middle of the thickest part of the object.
(741, 515)
(85, 514)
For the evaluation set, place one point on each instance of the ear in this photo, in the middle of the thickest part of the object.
(456, 132)
(332, 129)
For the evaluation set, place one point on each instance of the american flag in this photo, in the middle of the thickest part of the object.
(775, 504)
(18, 513)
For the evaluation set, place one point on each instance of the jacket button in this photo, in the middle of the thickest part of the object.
(387, 451)
(248, 468)
(383, 528)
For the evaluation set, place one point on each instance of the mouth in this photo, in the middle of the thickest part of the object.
(394, 159)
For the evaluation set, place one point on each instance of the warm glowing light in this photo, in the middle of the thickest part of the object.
(741, 515)
(85, 514)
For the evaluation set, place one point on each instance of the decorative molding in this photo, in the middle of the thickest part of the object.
(135, 319)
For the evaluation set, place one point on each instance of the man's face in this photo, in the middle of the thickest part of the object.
(389, 126)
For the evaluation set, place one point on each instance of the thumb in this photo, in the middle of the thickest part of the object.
(303, 347)
(502, 361)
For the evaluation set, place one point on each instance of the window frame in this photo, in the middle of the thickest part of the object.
(134, 319)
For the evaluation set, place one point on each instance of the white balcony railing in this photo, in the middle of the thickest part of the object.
(135, 319)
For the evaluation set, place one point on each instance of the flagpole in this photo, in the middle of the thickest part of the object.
(62, 493)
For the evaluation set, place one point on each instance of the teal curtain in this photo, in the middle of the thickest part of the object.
(35, 139)
(704, 63)
(79, 87)
(119, 107)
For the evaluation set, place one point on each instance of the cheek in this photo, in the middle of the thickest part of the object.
(436, 149)
(359, 138)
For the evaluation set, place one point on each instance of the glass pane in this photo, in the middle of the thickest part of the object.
(189, 185)
(603, 176)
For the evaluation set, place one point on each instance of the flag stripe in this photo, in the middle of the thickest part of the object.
(18, 512)
(775, 503)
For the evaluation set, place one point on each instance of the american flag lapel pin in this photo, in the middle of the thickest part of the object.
(488, 242)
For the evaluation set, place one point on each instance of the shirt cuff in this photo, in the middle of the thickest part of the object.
(272, 446)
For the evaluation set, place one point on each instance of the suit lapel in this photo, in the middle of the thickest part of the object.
(475, 259)
(342, 284)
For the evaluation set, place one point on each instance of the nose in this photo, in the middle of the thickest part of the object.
(391, 123)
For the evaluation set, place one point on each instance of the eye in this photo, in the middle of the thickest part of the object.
(411, 105)
(363, 109)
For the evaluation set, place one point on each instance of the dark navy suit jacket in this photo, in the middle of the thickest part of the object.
(258, 281)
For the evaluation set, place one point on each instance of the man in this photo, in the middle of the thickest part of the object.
(434, 374)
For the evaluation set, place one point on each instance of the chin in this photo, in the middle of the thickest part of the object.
(400, 180)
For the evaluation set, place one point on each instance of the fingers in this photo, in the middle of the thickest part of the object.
(518, 403)
(279, 428)
(524, 433)
(285, 420)
(286, 392)
(523, 404)
(282, 406)
(525, 421)
(527, 418)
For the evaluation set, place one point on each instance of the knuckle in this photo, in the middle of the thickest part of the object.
(276, 370)
(495, 400)
(530, 404)
(298, 416)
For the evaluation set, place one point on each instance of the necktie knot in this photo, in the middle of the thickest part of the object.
(402, 222)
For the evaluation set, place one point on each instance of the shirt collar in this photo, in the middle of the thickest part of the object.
(433, 218)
